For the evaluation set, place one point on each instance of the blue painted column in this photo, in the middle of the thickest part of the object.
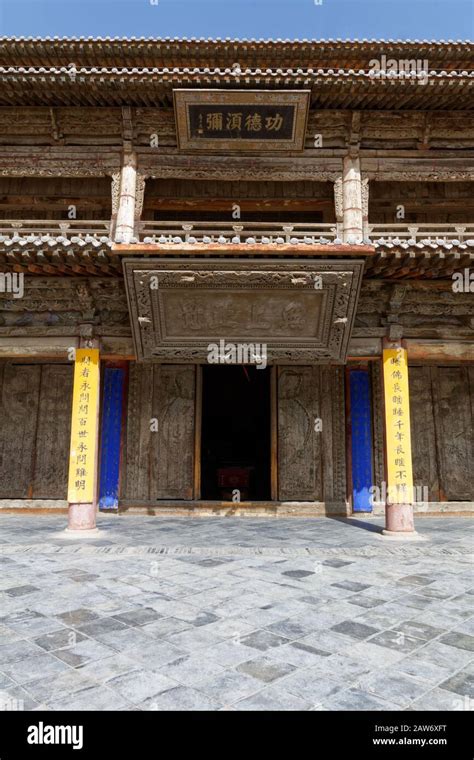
(111, 437)
(361, 440)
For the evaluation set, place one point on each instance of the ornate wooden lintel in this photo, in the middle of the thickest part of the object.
(301, 311)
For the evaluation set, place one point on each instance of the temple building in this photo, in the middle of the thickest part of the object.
(236, 277)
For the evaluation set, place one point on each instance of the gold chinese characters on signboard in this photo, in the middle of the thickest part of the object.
(397, 421)
(240, 121)
(81, 488)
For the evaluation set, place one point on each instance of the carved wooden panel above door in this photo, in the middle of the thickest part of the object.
(302, 310)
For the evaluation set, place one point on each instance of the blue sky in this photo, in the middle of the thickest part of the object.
(296, 19)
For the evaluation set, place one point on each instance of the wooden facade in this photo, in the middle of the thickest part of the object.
(100, 189)
(36, 421)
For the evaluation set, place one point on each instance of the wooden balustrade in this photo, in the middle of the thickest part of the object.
(228, 232)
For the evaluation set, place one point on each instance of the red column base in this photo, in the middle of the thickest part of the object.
(81, 517)
(399, 522)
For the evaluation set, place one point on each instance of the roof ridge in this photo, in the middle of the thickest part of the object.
(243, 40)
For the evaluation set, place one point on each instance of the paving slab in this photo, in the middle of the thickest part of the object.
(235, 614)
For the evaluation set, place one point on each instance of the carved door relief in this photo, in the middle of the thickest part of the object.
(54, 432)
(159, 459)
(35, 409)
(442, 425)
(311, 446)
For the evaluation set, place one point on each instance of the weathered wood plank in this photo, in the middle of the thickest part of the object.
(424, 455)
(299, 452)
(53, 434)
(172, 446)
(440, 350)
(137, 450)
(19, 415)
(326, 401)
(338, 437)
(159, 455)
(377, 423)
(452, 414)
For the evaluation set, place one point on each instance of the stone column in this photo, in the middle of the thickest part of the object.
(399, 521)
(83, 458)
(352, 200)
(125, 227)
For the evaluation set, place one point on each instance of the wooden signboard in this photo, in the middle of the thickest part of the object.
(227, 121)
(83, 450)
(397, 424)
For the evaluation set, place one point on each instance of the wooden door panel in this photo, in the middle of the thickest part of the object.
(159, 457)
(172, 460)
(333, 436)
(453, 423)
(311, 435)
(299, 446)
(424, 455)
(136, 484)
(19, 415)
(53, 434)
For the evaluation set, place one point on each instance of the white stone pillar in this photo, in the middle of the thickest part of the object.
(352, 200)
(125, 228)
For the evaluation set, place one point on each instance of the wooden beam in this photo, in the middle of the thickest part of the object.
(198, 434)
(246, 204)
(451, 351)
(243, 249)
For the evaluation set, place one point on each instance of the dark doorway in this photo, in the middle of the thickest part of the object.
(235, 452)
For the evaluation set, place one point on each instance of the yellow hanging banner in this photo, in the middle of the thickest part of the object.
(397, 426)
(84, 427)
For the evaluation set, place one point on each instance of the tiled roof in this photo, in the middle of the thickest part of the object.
(145, 71)
(102, 71)
(156, 52)
(94, 254)
(55, 240)
(240, 41)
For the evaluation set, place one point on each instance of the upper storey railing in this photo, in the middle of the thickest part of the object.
(237, 232)
(54, 227)
(434, 231)
(252, 233)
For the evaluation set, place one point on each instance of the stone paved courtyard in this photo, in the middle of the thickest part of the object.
(235, 614)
